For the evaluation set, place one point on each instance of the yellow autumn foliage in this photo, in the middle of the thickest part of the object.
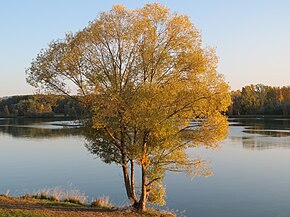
(152, 88)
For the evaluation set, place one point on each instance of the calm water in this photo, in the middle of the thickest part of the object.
(251, 170)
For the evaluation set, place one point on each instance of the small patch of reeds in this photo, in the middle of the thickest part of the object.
(72, 195)
(102, 202)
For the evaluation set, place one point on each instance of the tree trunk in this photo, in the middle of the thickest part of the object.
(144, 163)
(143, 198)
(133, 183)
(127, 181)
(125, 164)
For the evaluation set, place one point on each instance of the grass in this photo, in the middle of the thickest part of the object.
(32, 213)
(58, 194)
(52, 202)
(29, 206)
(102, 202)
(32, 201)
(161, 213)
(48, 213)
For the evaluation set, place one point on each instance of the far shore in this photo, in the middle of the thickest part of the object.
(62, 117)
(259, 116)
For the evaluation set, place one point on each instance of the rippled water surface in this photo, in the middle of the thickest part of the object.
(251, 169)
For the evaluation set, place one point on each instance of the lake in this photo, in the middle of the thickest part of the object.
(251, 168)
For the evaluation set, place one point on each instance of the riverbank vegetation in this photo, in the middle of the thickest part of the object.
(261, 99)
(41, 106)
(31, 206)
(251, 100)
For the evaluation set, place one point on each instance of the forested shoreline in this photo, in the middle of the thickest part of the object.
(251, 100)
(40, 105)
(260, 99)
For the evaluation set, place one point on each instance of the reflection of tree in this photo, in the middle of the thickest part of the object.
(264, 123)
(34, 129)
(262, 143)
(274, 133)
(260, 134)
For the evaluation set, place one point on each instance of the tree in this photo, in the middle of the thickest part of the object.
(260, 99)
(271, 101)
(6, 111)
(152, 89)
(285, 95)
(249, 100)
(235, 108)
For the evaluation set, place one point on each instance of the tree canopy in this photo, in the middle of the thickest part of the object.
(261, 99)
(152, 88)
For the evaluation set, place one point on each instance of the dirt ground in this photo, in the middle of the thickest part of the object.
(33, 207)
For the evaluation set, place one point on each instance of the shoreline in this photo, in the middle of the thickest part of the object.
(260, 116)
(29, 206)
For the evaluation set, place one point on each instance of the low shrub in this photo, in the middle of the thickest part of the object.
(102, 202)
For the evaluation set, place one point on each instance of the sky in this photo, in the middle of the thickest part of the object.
(251, 37)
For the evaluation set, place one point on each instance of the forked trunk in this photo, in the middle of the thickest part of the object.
(131, 196)
(127, 181)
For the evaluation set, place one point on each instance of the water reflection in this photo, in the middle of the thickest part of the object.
(274, 133)
(261, 134)
(262, 143)
(36, 128)
(262, 123)
(242, 178)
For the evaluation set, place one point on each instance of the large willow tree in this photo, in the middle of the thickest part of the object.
(152, 89)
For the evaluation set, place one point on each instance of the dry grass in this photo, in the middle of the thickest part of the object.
(71, 195)
(102, 202)
(31, 207)
(39, 206)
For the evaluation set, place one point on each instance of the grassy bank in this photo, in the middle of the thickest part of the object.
(29, 206)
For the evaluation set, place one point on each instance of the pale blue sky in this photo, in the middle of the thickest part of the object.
(252, 37)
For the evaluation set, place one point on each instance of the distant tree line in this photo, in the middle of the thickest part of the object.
(40, 106)
(260, 99)
(253, 99)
